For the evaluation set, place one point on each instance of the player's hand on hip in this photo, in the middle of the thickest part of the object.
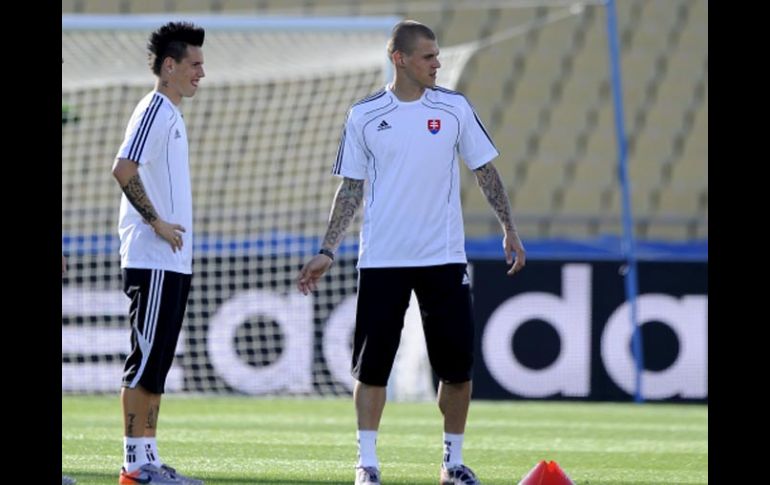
(171, 233)
(512, 246)
(307, 280)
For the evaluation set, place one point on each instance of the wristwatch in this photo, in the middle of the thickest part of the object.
(326, 253)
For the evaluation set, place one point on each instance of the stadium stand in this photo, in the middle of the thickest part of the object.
(544, 96)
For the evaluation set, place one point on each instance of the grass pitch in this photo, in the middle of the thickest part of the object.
(259, 441)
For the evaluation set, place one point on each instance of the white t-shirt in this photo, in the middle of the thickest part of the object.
(156, 139)
(408, 154)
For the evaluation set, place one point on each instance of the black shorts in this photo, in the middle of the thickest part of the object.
(443, 293)
(158, 303)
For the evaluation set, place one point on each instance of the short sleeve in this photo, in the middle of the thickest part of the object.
(351, 156)
(476, 146)
(145, 133)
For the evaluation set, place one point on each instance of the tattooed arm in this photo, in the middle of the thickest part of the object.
(349, 196)
(488, 179)
(126, 172)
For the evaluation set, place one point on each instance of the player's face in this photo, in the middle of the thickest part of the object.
(188, 72)
(422, 64)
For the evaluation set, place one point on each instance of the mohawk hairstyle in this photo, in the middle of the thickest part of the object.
(171, 40)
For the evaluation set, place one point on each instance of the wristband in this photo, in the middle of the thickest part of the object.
(326, 253)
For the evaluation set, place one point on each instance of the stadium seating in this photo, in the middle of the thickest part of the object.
(545, 98)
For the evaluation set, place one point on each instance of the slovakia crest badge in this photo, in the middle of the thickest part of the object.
(434, 126)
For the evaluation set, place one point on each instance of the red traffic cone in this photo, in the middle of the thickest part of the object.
(535, 475)
(546, 473)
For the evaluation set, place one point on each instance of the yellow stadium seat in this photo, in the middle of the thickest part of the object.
(102, 6)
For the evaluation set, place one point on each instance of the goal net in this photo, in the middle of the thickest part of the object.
(264, 130)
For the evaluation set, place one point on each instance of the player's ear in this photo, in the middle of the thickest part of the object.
(168, 64)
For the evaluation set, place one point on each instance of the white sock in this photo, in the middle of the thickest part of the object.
(453, 450)
(133, 453)
(367, 448)
(151, 451)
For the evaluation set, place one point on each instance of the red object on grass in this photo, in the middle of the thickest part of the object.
(546, 473)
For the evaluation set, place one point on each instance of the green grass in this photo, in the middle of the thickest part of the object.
(241, 440)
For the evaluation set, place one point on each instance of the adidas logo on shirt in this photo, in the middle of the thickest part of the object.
(383, 126)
